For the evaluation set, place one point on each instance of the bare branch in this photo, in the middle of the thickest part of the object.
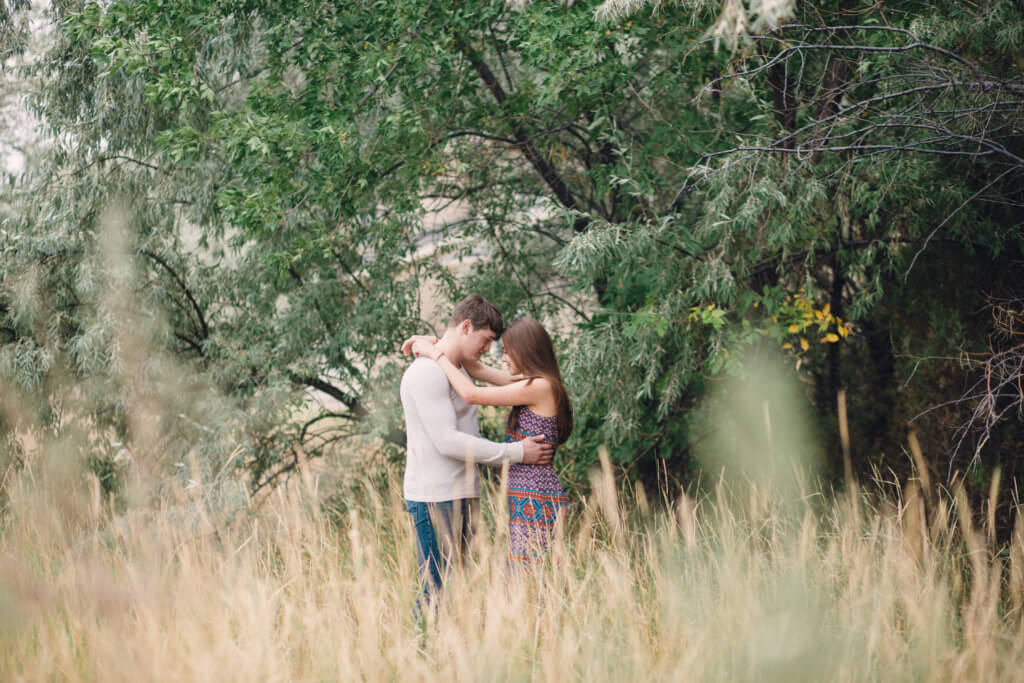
(351, 402)
(204, 329)
(119, 157)
(544, 168)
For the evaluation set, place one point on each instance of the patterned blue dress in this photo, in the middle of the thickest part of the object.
(534, 494)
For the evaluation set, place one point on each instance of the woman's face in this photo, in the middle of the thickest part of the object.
(513, 369)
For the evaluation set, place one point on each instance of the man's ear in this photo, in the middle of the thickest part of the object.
(466, 326)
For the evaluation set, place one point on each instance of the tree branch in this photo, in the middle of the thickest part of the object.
(544, 168)
(398, 60)
(204, 329)
(351, 402)
(119, 157)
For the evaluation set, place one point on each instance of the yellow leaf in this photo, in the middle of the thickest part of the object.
(787, 345)
(825, 311)
(830, 338)
(844, 331)
(804, 344)
(794, 328)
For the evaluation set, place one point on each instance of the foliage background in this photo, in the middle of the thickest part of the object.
(671, 187)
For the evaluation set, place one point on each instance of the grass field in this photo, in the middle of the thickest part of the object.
(728, 587)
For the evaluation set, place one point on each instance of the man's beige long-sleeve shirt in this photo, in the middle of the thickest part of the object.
(443, 442)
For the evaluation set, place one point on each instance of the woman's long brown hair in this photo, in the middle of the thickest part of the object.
(529, 346)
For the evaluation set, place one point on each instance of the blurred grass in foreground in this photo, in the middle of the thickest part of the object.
(691, 590)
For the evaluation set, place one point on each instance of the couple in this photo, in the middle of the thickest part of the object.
(441, 487)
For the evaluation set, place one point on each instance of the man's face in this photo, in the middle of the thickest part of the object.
(476, 341)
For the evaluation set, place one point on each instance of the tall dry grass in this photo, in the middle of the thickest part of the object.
(713, 589)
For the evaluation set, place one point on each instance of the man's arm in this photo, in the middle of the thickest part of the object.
(434, 405)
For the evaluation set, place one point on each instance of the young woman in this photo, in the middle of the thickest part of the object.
(533, 386)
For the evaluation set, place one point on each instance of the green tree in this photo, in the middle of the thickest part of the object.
(622, 171)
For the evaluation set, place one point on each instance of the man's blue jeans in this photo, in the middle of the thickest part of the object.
(444, 531)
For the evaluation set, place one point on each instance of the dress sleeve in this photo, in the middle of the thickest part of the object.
(434, 405)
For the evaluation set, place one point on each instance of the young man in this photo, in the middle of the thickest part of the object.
(441, 486)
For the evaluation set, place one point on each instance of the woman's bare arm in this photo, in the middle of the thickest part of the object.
(512, 394)
(476, 369)
(518, 393)
(486, 373)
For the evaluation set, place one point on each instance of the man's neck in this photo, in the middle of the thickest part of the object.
(448, 346)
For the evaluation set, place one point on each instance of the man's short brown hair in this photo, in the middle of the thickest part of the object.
(479, 312)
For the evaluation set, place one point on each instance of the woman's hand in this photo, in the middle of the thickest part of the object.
(407, 345)
(424, 346)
